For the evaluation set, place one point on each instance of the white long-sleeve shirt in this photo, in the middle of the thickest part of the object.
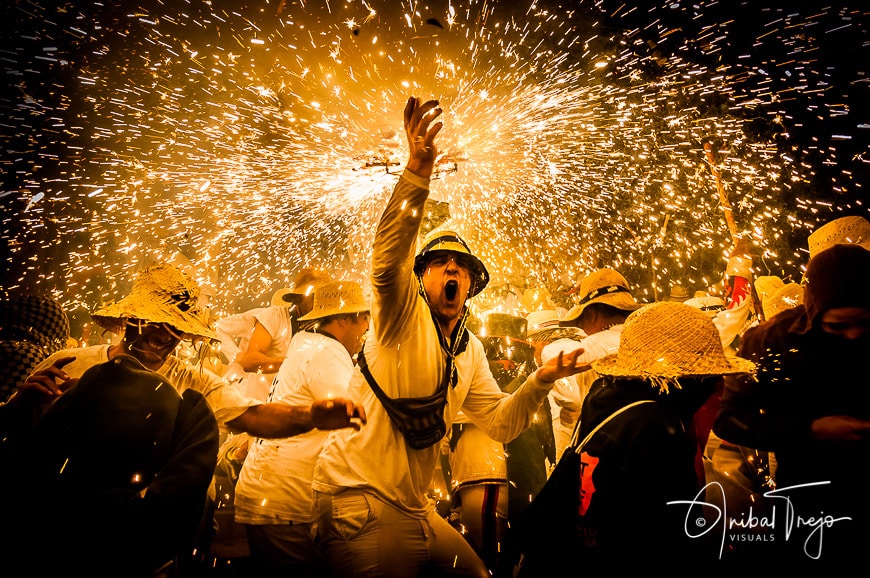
(404, 356)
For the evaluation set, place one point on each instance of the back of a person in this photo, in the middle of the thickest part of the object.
(118, 470)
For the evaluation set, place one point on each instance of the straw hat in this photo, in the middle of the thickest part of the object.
(846, 230)
(776, 295)
(544, 325)
(603, 286)
(665, 341)
(161, 294)
(337, 298)
(678, 293)
(307, 280)
(451, 241)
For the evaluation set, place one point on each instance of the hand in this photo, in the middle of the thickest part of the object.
(421, 136)
(842, 428)
(42, 387)
(337, 413)
(564, 365)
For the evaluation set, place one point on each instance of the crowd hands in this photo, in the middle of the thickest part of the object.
(335, 406)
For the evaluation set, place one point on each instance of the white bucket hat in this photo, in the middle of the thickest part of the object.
(543, 325)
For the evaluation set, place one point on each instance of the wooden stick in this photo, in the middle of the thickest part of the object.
(723, 198)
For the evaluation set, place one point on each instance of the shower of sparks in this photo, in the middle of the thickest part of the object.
(243, 141)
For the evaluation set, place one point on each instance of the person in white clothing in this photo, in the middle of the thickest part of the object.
(418, 367)
(604, 300)
(273, 497)
(273, 328)
(543, 331)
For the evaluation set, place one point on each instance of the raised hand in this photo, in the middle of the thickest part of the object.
(421, 135)
(563, 365)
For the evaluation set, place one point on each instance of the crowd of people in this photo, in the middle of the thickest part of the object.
(712, 429)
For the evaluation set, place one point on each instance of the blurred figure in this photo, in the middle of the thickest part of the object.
(492, 483)
(637, 454)
(809, 404)
(273, 497)
(707, 303)
(678, 294)
(255, 366)
(544, 330)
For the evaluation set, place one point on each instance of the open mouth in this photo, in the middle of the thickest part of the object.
(451, 289)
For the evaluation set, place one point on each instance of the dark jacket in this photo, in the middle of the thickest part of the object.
(113, 479)
(803, 374)
(614, 511)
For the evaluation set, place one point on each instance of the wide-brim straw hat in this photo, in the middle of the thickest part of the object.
(306, 281)
(451, 241)
(160, 294)
(667, 340)
(337, 298)
(602, 286)
(845, 230)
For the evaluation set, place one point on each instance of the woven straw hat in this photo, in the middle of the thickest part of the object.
(666, 340)
(337, 298)
(160, 294)
(544, 325)
(840, 231)
(776, 295)
(307, 280)
(678, 293)
(451, 241)
(603, 286)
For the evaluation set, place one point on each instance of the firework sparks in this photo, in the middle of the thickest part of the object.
(243, 143)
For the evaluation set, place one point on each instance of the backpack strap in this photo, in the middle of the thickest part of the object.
(578, 447)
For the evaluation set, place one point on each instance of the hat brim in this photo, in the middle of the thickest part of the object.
(619, 300)
(113, 317)
(610, 365)
(321, 313)
(554, 333)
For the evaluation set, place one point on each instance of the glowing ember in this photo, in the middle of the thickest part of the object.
(243, 142)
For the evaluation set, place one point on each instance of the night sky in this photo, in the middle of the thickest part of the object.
(242, 141)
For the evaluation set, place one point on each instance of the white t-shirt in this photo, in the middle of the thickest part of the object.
(274, 485)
